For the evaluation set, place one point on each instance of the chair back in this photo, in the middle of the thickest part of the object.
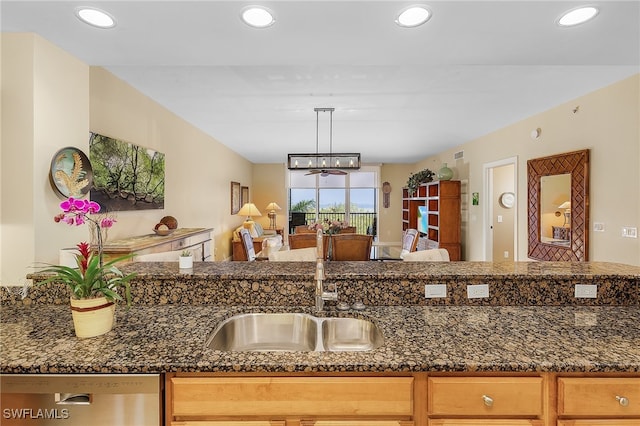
(247, 244)
(304, 229)
(348, 230)
(294, 255)
(299, 241)
(409, 241)
(351, 247)
(431, 255)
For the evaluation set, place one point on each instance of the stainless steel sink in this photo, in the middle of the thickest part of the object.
(350, 334)
(261, 332)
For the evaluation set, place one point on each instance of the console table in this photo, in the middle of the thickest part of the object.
(197, 240)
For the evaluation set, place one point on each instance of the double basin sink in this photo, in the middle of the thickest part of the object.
(259, 332)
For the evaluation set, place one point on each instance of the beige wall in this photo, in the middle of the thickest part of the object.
(503, 233)
(198, 169)
(269, 185)
(45, 107)
(390, 227)
(607, 123)
(51, 100)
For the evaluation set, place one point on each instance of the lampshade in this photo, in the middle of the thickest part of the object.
(273, 206)
(249, 209)
(565, 205)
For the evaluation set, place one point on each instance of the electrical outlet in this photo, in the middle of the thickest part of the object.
(629, 232)
(477, 291)
(598, 227)
(588, 291)
(435, 290)
(506, 254)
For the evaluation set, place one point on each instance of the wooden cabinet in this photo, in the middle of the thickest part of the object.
(587, 401)
(317, 400)
(485, 401)
(419, 399)
(197, 240)
(442, 225)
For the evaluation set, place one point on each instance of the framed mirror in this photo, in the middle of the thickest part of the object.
(558, 204)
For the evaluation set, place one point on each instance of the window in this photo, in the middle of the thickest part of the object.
(352, 197)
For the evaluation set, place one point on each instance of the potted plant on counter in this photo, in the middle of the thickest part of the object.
(186, 260)
(94, 285)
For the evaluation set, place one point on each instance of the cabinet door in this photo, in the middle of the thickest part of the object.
(610, 422)
(591, 396)
(484, 422)
(292, 396)
(230, 423)
(485, 396)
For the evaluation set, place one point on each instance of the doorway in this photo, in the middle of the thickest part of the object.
(501, 210)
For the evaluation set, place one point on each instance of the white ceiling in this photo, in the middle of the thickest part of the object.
(400, 94)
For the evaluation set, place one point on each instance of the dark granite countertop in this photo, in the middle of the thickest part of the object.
(40, 339)
(531, 322)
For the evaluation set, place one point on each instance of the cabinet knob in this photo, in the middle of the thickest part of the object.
(622, 400)
(488, 401)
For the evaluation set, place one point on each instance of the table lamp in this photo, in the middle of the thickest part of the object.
(567, 206)
(248, 210)
(272, 207)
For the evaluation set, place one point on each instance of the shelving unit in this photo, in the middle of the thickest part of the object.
(442, 200)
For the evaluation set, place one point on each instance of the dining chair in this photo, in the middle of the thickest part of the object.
(432, 255)
(348, 230)
(303, 229)
(351, 246)
(308, 254)
(247, 244)
(298, 241)
(409, 241)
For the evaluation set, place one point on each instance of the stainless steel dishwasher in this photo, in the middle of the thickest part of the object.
(80, 399)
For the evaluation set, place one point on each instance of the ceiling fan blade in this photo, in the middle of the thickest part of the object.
(336, 172)
(313, 172)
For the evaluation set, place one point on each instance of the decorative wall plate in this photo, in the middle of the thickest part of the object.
(71, 174)
(507, 199)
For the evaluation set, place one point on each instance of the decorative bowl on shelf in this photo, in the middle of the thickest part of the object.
(163, 232)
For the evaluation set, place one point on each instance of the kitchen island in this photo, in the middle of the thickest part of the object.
(530, 334)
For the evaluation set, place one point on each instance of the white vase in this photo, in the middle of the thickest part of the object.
(92, 317)
(186, 262)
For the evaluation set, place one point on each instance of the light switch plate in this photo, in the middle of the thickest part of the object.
(630, 232)
(598, 227)
(477, 291)
(435, 290)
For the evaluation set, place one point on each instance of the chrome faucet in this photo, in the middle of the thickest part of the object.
(322, 295)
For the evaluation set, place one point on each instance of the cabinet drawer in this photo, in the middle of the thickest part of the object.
(610, 422)
(585, 396)
(292, 396)
(484, 422)
(485, 396)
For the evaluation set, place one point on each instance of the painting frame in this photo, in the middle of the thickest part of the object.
(244, 195)
(235, 197)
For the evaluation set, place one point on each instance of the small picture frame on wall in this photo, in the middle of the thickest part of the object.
(235, 197)
(244, 196)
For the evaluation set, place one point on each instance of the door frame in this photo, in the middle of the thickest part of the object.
(487, 170)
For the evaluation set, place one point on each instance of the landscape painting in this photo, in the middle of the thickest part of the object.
(125, 176)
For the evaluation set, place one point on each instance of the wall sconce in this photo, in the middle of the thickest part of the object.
(272, 207)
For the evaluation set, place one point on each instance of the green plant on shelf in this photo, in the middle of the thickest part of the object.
(415, 179)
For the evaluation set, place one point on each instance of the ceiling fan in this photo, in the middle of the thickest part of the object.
(324, 164)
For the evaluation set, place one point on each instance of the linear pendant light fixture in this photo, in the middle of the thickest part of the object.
(324, 163)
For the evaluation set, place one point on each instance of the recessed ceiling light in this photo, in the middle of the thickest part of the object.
(257, 16)
(413, 16)
(96, 17)
(577, 16)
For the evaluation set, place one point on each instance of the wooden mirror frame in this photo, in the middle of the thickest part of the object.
(577, 164)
